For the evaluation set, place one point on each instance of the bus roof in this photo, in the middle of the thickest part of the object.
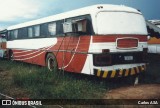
(93, 10)
(3, 31)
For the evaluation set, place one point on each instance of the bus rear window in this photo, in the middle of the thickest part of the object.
(120, 23)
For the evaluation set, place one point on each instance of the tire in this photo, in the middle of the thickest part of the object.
(11, 56)
(51, 62)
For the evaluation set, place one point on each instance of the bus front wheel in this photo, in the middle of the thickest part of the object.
(51, 62)
(11, 56)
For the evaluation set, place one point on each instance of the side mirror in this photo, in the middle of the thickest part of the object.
(76, 26)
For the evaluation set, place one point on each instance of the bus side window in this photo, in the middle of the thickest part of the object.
(12, 35)
(9, 35)
(25, 35)
(0, 40)
(36, 31)
(80, 25)
(52, 29)
(76, 26)
(22, 33)
(15, 33)
(30, 32)
(59, 28)
(44, 30)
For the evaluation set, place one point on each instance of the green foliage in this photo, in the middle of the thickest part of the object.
(43, 84)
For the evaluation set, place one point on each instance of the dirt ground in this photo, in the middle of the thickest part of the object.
(146, 91)
(149, 88)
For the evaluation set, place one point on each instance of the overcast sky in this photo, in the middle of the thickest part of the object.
(18, 11)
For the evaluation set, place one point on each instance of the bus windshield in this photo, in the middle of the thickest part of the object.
(120, 23)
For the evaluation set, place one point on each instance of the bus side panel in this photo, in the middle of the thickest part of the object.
(79, 58)
(154, 45)
(70, 55)
(33, 56)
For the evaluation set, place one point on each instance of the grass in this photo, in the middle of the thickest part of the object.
(39, 83)
(30, 81)
(43, 84)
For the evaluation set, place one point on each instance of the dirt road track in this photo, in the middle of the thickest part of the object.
(147, 91)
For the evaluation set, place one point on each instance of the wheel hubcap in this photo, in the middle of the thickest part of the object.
(51, 64)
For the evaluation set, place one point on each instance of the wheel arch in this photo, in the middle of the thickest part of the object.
(49, 52)
(9, 52)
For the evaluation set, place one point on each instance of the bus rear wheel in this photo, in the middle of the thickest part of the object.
(51, 62)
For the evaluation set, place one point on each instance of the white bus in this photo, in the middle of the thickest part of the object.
(154, 41)
(107, 41)
(3, 50)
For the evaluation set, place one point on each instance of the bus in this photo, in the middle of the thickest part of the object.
(154, 45)
(3, 50)
(104, 40)
(153, 27)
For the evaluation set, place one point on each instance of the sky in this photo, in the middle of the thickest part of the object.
(19, 11)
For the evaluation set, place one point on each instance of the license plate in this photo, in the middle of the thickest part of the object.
(128, 58)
